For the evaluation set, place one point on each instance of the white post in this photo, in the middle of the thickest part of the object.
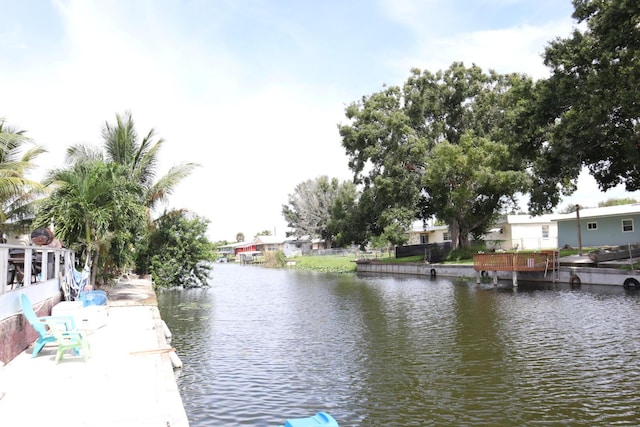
(28, 260)
(4, 269)
(44, 265)
(56, 264)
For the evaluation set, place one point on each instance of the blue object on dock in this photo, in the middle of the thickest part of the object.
(96, 297)
(320, 419)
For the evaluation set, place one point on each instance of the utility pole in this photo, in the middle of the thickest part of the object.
(579, 230)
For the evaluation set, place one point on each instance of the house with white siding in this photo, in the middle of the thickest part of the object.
(510, 232)
(523, 232)
(422, 234)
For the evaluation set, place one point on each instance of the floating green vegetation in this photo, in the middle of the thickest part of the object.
(325, 264)
(462, 280)
(193, 305)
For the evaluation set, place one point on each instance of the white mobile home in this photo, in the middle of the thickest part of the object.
(523, 232)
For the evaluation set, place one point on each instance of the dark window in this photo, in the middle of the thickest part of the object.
(545, 231)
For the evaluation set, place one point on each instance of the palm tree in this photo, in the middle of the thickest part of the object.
(17, 193)
(133, 166)
(97, 208)
(139, 158)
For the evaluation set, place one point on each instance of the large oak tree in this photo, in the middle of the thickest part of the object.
(589, 108)
(444, 145)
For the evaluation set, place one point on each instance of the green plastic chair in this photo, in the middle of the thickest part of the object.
(68, 340)
(41, 325)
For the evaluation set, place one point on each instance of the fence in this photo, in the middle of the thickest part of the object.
(432, 252)
(335, 252)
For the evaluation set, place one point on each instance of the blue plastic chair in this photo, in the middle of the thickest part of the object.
(320, 419)
(45, 335)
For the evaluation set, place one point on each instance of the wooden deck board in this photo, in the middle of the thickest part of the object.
(518, 261)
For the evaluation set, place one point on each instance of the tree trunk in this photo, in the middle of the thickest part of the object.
(454, 229)
(463, 236)
(94, 268)
(459, 234)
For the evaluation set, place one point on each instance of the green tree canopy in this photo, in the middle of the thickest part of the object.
(440, 146)
(346, 223)
(468, 184)
(617, 202)
(588, 109)
(181, 252)
(137, 161)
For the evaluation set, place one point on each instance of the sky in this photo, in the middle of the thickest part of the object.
(252, 91)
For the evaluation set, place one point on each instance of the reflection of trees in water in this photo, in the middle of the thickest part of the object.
(402, 350)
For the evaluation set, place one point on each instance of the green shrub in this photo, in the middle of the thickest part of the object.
(275, 259)
(461, 254)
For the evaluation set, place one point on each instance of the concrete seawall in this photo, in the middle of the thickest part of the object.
(566, 274)
(128, 380)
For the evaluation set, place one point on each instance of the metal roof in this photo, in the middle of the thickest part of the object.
(530, 219)
(619, 210)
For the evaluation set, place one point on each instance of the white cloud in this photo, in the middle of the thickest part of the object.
(588, 194)
(516, 49)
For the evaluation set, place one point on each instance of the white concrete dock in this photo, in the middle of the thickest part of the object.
(127, 381)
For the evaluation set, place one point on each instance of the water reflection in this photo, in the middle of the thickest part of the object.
(262, 345)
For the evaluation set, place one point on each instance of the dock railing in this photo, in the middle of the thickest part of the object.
(22, 265)
(515, 261)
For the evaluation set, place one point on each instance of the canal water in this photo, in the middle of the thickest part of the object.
(262, 345)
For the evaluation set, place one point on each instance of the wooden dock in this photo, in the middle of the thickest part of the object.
(483, 263)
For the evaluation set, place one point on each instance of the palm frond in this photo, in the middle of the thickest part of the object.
(81, 153)
(162, 188)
